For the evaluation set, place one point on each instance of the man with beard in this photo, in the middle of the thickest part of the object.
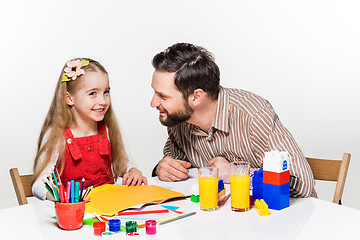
(209, 125)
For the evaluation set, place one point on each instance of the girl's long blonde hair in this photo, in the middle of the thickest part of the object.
(60, 117)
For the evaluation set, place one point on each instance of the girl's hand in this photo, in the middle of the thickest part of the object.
(134, 177)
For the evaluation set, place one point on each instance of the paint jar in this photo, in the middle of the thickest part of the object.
(114, 225)
(99, 228)
(150, 227)
(70, 216)
(131, 226)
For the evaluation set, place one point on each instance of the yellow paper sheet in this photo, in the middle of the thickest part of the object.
(109, 199)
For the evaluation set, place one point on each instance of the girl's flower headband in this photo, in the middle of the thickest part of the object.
(73, 69)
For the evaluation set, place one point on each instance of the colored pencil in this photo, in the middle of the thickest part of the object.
(58, 175)
(142, 212)
(87, 194)
(164, 221)
(55, 180)
(98, 217)
(88, 191)
(57, 199)
(141, 225)
(61, 193)
(76, 192)
(68, 192)
(55, 190)
(81, 189)
(72, 189)
(51, 182)
(50, 191)
(83, 196)
(223, 201)
(170, 219)
(49, 178)
(47, 186)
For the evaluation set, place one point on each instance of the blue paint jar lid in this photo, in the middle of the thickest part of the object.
(114, 225)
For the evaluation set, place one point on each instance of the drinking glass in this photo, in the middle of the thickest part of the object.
(208, 188)
(240, 186)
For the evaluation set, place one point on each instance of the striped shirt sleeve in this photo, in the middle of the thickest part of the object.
(268, 133)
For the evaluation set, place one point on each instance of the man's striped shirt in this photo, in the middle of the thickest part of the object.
(245, 127)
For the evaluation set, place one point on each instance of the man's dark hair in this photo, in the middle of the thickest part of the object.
(194, 67)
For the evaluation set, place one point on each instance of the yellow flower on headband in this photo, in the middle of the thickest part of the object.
(73, 69)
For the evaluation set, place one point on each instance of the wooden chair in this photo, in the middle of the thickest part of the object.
(331, 170)
(22, 186)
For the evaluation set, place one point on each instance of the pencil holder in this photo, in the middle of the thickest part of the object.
(70, 216)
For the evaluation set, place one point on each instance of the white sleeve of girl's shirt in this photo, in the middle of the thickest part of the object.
(38, 188)
(129, 166)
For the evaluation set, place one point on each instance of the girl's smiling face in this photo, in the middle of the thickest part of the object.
(91, 99)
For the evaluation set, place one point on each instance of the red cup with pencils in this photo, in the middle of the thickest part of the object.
(69, 205)
(70, 216)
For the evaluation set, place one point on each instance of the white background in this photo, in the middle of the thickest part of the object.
(303, 56)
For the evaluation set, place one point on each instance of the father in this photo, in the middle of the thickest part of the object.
(209, 125)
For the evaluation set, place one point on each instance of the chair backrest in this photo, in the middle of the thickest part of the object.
(22, 185)
(331, 170)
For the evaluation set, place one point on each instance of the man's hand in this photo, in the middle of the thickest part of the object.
(134, 177)
(171, 170)
(224, 168)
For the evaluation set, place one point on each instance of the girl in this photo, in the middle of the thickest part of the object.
(80, 135)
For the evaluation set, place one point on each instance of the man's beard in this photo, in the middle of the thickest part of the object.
(177, 117)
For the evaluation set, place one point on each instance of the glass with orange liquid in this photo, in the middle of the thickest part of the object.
(240, 186)
(208, 188)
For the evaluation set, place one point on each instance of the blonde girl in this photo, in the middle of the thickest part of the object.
(80, 136)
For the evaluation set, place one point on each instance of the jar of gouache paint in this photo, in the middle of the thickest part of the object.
(114, 225)
(99, 228)
(131, 226)
(150, 227)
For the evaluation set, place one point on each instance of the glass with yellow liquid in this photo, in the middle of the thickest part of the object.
(208, 188)
(240, 186)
